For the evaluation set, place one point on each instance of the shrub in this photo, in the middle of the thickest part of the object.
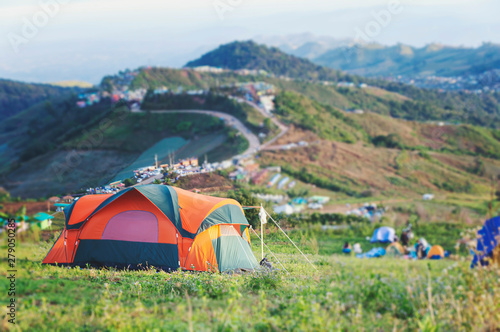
(128, 182)
(391, 141)
(263, 281)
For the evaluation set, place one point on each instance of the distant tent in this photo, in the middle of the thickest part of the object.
(373, 253)
(436, 252)
(488, 243)
(155, 225)
(395, 249)
(384, 235)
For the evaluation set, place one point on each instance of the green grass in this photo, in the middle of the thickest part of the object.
(330, 242)
(344, 294)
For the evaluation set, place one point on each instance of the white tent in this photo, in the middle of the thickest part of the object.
(286, 209)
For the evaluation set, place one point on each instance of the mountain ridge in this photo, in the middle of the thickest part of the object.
(16, 96)
(250, 55)
(401, 59)
(425, 104)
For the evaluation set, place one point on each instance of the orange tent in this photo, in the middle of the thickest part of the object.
(154, 225)
(436, 252)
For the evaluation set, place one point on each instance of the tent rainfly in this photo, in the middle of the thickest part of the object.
(155, 225)
(436, 252)
(395, 249)
(488, 243)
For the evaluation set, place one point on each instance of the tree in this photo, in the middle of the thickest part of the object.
(184, 126)
(107, 84)
(479, 168)
(4, 195)
(128, 182)
(21, 213)
(50, 109)
(390, 141)
(245, 198)
(497, 193)
(268, 125)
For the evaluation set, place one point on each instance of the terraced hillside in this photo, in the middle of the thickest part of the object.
(397, 100)
(368, 154)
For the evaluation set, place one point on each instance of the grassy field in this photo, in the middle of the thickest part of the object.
(345, 293)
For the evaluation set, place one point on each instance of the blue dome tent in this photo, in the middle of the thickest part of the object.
(384, 235)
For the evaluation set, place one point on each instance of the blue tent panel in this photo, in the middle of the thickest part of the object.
(487, 239)
(375, 252)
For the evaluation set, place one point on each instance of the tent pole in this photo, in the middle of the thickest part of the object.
(253, 230)
(262, 218)
(262, 238)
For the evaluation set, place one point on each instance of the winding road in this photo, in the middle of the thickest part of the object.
(281, 126)
(253, 141)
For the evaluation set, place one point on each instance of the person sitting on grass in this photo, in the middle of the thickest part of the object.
(347, 248)
(422, 248)
(357, 248)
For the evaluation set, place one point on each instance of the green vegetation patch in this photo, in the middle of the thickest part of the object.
(369, 294)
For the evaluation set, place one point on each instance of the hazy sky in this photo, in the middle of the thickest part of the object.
(87, 39)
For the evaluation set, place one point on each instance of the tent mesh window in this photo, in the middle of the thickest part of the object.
(137, 226)
(228, 230)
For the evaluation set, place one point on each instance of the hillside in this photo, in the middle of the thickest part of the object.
(61, 149)
(250, 55)
(73, 83)
(398, 124)
(395, 99)
(420, 104)
(370, 154)
(45, 126)
(209, 101)
(403, 101)
(333, 124)
(17, 96)
(433, 59)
